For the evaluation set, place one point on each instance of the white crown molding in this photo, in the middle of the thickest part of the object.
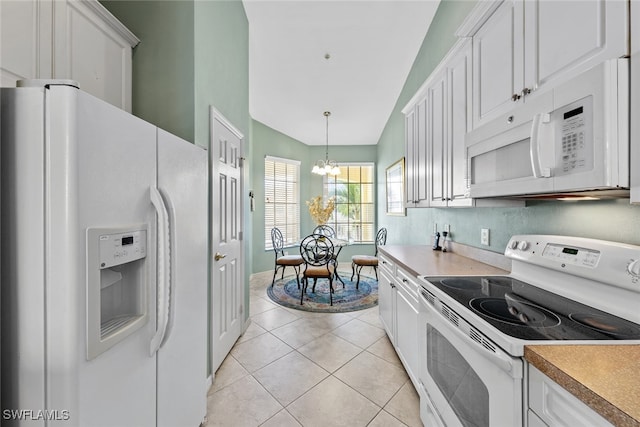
(112, 21)
(478, 15)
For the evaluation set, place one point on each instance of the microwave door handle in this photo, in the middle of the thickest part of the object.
(534, 148)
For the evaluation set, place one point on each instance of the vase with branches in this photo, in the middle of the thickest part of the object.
(320, 213)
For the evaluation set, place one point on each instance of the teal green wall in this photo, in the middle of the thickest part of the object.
(163, 62)
(614, 220)
(192, 55)
(221, 66)
(267, 141)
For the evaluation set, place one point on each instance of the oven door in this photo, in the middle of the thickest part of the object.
(467, 380)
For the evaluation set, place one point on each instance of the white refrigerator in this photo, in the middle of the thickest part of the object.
(104, 265)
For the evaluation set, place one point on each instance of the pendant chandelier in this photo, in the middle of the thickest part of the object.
(326, 166)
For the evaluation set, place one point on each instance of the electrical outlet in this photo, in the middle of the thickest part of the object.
(484, 236)
(446, 228)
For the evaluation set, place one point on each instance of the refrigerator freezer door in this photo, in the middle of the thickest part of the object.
(23, 299)
(101, 168)
(182, 358)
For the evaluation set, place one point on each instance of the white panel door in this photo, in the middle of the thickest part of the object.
(227, 276)
(182, 358)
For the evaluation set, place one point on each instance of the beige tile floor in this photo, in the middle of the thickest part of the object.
(296, 368)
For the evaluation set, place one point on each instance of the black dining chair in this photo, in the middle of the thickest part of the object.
(358, 262)
(318, 254)
(328, 231)
(325, 230)
(283, 261)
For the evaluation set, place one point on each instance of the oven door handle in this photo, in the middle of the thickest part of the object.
(497, 356)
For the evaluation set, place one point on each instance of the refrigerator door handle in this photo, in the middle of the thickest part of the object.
(164, 270)
(171, 291)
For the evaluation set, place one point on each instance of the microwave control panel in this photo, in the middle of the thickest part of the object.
(575, 147)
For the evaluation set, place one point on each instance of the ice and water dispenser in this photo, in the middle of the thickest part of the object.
(116, 285)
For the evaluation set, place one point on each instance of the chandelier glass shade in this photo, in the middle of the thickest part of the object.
(326, 166)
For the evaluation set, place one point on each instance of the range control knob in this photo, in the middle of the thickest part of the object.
(523, 246)
(513, 244)
(634, 268)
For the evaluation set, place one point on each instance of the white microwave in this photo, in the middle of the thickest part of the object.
(571, 140)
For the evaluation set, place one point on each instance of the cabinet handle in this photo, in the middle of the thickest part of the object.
(404, 280)
(515, 97)
(526, 91)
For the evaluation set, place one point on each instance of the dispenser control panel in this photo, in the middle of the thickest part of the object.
(121, 248)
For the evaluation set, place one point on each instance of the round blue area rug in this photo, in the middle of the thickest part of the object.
(286, 293)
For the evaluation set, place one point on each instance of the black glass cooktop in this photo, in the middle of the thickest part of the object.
(528, 312)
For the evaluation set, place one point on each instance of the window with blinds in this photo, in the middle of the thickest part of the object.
(281, 199)
(354, 191)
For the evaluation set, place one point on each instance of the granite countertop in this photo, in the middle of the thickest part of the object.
(422, 260)
(605, 377)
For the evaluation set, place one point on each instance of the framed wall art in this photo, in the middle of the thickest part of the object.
(395, 189)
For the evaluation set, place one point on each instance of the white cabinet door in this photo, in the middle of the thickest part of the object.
(67, 39)
(25, 40)
(410, 157)
(498, 62)
(459, 77)
(437, 141)
(525, 45)
(557, 407)
(421, 153)
(563, 38)
(386, 303)
(416, 155)
(407, 343)
(94, 49)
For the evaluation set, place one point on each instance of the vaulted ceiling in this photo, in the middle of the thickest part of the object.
(347, 57)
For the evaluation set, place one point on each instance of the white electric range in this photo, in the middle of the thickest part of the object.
(474, 328)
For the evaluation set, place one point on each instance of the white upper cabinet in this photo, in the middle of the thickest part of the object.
(459, 94)
(563, 38)
(437, 121)
(521, 47)
(437, 139)
(67, 39)
(498, 62)
(416, 155)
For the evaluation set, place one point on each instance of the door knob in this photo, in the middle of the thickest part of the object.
(218, 256)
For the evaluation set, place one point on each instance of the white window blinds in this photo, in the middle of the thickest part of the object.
(282, 199)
